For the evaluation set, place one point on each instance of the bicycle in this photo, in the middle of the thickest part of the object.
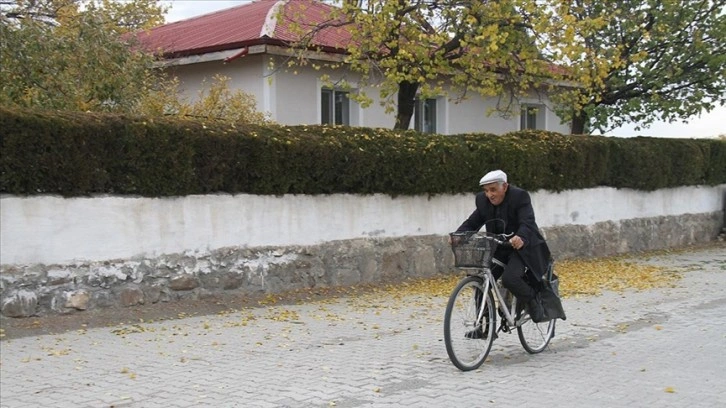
(470, 319)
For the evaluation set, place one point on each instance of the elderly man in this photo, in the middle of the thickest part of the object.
(504, 208)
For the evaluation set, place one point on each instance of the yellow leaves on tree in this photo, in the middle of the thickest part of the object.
(214, 102)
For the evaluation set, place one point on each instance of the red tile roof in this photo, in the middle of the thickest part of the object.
(259, 22)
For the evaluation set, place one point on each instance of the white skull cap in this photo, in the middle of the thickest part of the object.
(495, 176)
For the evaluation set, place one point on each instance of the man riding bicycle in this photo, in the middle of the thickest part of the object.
(504, 208)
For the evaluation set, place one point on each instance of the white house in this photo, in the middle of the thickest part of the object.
(249, 45)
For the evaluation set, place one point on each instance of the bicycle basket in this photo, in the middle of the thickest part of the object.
(471, 250)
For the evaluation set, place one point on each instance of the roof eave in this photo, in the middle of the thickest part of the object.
(257, 46)
(216, 48)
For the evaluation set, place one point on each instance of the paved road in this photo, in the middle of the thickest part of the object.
(658, 348)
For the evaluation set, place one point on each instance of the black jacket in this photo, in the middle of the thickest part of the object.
(518, 215)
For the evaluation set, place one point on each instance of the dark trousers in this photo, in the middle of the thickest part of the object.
(514, 276)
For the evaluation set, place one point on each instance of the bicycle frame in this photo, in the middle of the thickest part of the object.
(507, 311)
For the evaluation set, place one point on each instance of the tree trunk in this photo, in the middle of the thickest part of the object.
(406, 102)
(579, 121)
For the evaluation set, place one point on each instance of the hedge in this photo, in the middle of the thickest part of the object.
(79, 154)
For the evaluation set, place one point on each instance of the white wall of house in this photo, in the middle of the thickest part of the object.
(305, 85)
(291, 96)
(48, 229)
(472, 115)
(298, 98)
(552, 121)
(248, 77)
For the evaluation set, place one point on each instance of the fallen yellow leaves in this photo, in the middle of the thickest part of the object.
(283, 315)
(135, 328)
(436, 286)
(241, 321)
(56, 352)
(586, 277)
(591, 277)
(125, 370)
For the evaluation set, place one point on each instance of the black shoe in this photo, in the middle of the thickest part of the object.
(536, 311)
(475, 334)
(478, 334)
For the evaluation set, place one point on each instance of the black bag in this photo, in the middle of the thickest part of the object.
(549, 295)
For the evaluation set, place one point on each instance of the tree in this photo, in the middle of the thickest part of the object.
(605, 62)
(126, 16)
(60, 55)
(440, 47)
(81, 55)
(646, 61)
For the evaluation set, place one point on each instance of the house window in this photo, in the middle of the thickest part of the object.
(532, 117)
(424, 115)
(335, 107)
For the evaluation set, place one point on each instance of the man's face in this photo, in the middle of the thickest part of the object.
(495, 192)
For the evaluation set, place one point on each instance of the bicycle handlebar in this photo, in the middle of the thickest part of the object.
(500, 239)
(503, 239)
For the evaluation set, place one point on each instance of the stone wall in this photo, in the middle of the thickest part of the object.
(634, 235)
(40, 289)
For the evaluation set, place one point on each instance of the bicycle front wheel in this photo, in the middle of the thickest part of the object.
(469, 338)
(534, 336)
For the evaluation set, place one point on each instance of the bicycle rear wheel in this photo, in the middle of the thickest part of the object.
(469, 339)
(534, 336)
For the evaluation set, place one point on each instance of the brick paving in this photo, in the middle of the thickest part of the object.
(657, 348)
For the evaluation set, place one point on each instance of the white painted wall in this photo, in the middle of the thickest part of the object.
(248, 77)
(49, 229)
(299, 99)
(554, 123)
(473, 115)
(297, 96)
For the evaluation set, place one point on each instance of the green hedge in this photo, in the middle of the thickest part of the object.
(75, 154)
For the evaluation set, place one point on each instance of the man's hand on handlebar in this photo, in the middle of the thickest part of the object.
(517, 242)
(455, 240)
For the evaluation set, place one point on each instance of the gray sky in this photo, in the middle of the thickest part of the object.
(707, 125)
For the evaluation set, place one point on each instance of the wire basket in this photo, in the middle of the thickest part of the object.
(471, 250)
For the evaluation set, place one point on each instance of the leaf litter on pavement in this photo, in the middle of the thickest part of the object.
(577, 278)
(591, 277)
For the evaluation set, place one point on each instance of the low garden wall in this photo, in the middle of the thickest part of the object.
(68, 255)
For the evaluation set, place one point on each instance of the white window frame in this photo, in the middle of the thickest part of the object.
(337, 110)
(425, 119)
(532, 116)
